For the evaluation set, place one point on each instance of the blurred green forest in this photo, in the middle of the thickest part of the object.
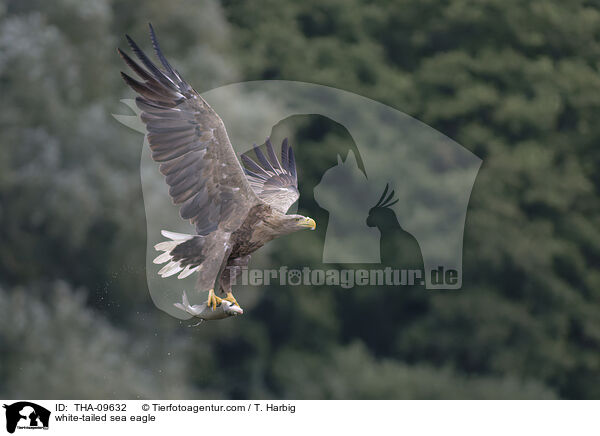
(515, 82)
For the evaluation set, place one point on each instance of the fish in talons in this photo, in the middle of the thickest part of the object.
(223, 309)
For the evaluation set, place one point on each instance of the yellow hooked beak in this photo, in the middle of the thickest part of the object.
(309, 223)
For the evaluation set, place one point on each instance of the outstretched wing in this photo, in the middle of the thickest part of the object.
(276, 183)
(190, 142)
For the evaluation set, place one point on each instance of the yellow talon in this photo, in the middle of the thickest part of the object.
(231, 299)
(213, 300)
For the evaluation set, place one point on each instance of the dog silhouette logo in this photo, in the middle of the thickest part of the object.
(26, 415)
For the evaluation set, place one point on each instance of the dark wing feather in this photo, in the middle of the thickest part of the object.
(274, 182)
(190, 142)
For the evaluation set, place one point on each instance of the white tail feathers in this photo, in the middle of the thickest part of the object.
(170, 269)
(176, 236)
(166, 256)
(166, 245)
(173, 267)
(188, 271)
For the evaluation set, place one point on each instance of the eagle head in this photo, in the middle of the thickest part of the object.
(293, 223)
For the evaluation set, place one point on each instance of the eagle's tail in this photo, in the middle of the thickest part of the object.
(168, 248)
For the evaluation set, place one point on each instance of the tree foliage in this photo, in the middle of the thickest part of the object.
(515, 82)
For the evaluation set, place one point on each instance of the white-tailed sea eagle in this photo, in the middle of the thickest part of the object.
(235, 210)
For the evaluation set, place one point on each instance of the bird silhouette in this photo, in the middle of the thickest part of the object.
(398, 248)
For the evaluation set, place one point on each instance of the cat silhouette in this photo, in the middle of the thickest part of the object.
(344, 192)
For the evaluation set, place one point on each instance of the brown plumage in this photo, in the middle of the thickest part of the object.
(234, 210)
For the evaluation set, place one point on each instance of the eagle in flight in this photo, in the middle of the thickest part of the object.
(235, 210)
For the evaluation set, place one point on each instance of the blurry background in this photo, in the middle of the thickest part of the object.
(517, 83)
